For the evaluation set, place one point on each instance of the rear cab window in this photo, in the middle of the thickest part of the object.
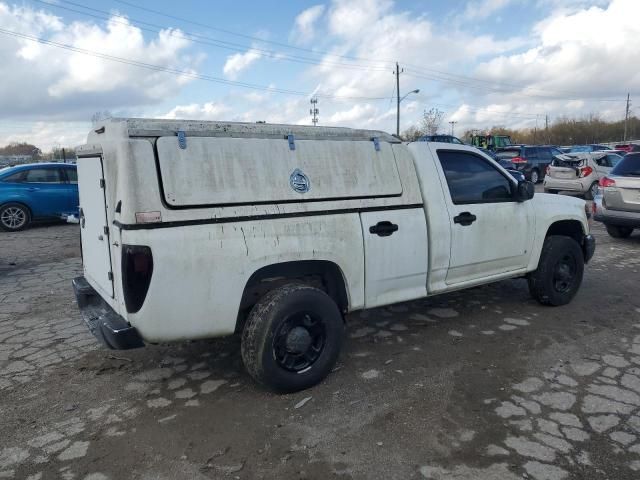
(474, 179)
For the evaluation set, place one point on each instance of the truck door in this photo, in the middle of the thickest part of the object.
(396, 255)
(491, 233)
(94, 231)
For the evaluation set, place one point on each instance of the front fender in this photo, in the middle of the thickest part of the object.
(551, 209)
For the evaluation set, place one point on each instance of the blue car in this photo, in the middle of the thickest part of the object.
(37, 191)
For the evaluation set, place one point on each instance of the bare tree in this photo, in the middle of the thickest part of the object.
(431, 120)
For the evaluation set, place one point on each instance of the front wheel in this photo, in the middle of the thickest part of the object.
(619, 232)
(535, 176)
(559, 273)
(292, 338)
(14, 217)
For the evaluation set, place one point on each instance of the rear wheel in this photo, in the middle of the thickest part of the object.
(14, 217)
(592, 192)
(619, 232)
(535, 175)
(292, 338)
(559, 273)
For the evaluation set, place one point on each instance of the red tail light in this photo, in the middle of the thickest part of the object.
(585, 172)
(137, 268)
(548, 169)
(518, 160)
(606, 182)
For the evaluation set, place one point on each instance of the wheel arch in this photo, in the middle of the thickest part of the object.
(568, 228)
(324, 274)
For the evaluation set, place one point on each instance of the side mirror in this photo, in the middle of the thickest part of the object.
(525, 191)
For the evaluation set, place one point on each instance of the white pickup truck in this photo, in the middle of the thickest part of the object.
(202, 229)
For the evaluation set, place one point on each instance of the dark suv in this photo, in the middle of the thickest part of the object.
(532, 160)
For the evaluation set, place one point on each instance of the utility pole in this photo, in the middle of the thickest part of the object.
(313, 111)
(546, 128)
(626, 119)
(452, 123)
(398, 72)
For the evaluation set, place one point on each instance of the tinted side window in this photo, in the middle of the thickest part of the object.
(629, 166)
(613, 159)
(472, 179)
(531, 153)
(15, 178)
(43, 175)
(544, 154)
(72, 175)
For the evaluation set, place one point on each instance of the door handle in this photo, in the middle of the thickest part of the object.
(465, 219)
(32, 189)
(383, 229)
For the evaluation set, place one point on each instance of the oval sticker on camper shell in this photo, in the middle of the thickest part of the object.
(299, 181)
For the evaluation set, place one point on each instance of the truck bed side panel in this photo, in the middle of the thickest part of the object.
(202, 270)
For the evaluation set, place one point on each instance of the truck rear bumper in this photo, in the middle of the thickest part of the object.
(105, 324)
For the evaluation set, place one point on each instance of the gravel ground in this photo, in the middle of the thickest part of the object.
(476, 385)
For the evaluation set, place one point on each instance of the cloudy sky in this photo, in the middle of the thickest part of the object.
(482, 62)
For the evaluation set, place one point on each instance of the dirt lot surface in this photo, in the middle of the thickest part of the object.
(484, 384)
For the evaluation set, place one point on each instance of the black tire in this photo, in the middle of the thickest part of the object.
(550, 191)
(559, 273)
(14, 217)
(286, 321)
(534, 176)
(619, 232)
(589, 194)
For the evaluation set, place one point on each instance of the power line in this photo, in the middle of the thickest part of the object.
(202, 39)
(177, 72)
(418, 72)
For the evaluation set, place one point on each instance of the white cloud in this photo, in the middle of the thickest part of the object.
(195, 111)
(305, 24)
(481, 9)
(41, 81)
(238, 62)
(588, 53)
(46, 135)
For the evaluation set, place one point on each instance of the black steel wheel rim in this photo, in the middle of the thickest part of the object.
(299, 341)
(564, 273)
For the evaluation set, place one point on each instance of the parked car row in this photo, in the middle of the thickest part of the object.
(35, 192)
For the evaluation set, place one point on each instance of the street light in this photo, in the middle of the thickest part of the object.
(417, 90)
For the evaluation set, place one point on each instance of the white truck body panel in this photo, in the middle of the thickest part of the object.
(257, 170)
(395, 266)
(95, 242)
(224, 208)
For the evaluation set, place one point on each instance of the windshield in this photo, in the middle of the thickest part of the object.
(629, 166)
